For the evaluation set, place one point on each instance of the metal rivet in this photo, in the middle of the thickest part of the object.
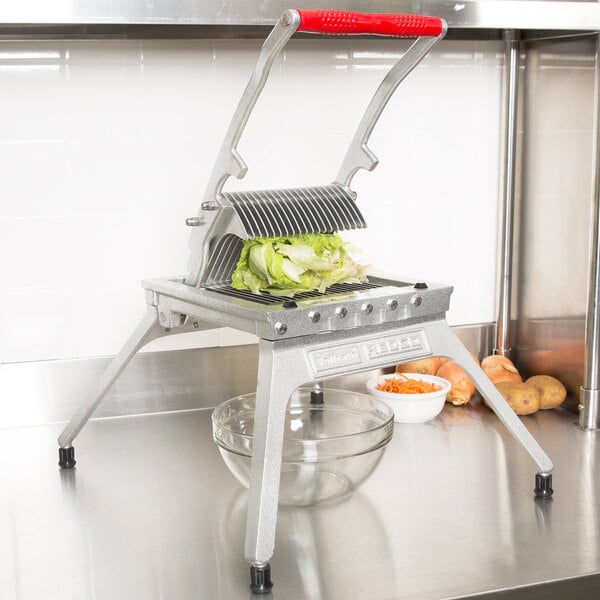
(341, 311)
(392, 304)
(194, 221)
(314, 315)
(209, 205)
(367, 308)
(280, 328)
(416, 300)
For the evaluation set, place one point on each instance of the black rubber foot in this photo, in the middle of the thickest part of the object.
(260, 579)
(543, 485)
(66, 457)
(316, 397)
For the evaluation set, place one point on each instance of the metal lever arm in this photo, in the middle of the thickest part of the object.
(359, 156)
(229, 162)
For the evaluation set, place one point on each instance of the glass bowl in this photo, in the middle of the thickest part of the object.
(329, 448)
(412, 408)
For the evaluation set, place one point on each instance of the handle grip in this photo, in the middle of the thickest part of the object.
(342, 22)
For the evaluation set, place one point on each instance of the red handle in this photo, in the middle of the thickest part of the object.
(342, 22)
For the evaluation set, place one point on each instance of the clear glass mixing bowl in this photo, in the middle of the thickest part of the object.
(329, 449)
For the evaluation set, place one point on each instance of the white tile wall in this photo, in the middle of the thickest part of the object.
(105, 147)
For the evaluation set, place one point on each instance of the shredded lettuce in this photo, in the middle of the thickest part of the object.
(284, 266)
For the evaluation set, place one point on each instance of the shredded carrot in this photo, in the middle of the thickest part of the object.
(404, 385)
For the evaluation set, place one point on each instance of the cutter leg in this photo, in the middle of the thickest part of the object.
(272, 396)
(445, 343)
(146, 331)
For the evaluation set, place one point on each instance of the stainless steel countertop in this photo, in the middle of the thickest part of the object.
(151, 511)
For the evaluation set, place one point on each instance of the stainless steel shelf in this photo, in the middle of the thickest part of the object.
(236, 18)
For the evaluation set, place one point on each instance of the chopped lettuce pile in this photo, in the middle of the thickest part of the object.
(284, 266)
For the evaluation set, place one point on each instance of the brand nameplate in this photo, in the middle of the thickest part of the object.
(367, 353)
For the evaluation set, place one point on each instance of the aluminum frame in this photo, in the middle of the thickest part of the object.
(287, 363)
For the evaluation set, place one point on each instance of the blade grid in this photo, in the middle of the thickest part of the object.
(269, 299)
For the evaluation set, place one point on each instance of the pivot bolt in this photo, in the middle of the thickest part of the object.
(341, 311)
(286, 19)
(392, 304)
(209, 205)
(280, 327)
(194, 221)
(367, 308)
(314, 315)
(416, 300)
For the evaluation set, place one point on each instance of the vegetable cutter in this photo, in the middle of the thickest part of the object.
(313, 336)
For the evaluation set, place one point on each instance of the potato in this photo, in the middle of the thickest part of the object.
(424, 366)
(523, 398)
(551, 391)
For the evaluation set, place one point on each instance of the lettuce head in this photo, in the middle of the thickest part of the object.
(284, 266)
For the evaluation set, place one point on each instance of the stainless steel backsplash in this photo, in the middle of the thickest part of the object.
(42, 392)
(554, 198)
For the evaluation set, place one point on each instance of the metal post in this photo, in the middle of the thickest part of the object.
(510, 90)
(589, 416)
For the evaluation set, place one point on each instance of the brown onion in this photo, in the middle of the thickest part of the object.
(500, 368)
(424, 366)
(462, 387)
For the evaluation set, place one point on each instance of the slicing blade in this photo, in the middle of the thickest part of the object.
(224, 260)
(295, 211)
